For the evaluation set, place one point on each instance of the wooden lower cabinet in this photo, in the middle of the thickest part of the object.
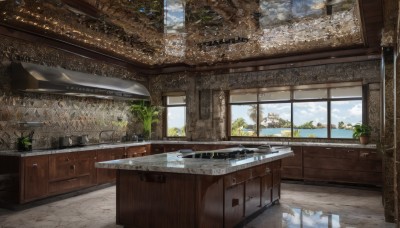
(276, 180)
(36, 175)
(154, 199)
(135, 151)
(292, 167)
(157, 148)
(252, 198)
(234, 205)
(342, 165)
(108, 175)
(70, 171)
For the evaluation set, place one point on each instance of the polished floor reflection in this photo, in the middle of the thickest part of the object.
(301, 206)
(310, 206)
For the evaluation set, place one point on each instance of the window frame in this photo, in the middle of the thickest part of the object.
(292, 101)
(165, 115)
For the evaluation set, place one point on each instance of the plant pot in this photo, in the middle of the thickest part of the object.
(364, 139)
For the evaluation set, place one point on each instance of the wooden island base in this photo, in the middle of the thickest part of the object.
(160, 199)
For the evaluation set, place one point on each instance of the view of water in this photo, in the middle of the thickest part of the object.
(305, 133)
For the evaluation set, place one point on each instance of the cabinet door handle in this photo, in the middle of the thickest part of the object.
(235, 202)
(67, 159)
(268, 170)
(348, 151)
(34, 165)
(233, 180)
(72, 166)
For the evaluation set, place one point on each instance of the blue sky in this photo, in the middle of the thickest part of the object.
(176, 117)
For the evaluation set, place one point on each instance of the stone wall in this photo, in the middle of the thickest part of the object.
(214, 128)
(61, 115)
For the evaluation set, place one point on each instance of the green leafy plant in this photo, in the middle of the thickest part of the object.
(147, 113)
(360, 130)
(24, 143)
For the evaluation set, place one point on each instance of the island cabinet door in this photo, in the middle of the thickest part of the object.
(234, 205)
(276, 180)
(150, 199)
(36, 171)
(252, 196)
(266, 186)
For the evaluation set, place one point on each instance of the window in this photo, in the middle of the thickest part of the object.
(176, 116)
(307, 111)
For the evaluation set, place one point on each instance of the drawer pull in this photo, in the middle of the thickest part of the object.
(268, 170)
(349, 151)
(34, 165)
(364, 155)
(328, 148)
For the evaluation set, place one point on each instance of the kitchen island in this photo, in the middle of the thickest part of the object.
(220, 188)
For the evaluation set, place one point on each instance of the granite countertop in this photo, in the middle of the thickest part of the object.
(173, 162)
(129, 144)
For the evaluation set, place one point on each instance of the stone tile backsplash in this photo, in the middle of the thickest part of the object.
(60, 115)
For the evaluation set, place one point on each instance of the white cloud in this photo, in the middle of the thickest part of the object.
(356, 110)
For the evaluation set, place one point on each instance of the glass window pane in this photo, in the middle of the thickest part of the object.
(243, 97)
(310, 120)
(346, 92)
(244, 119)
(274, 96)
(176, 100)
(176, 121)
(311, 94)
(275, 120)
(344, 115)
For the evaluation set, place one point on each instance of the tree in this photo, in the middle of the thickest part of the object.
(173, 131)
(307, 125)
(252, 112)
(341, 125)
(237, 127)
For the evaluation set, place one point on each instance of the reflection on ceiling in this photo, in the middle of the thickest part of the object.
(194, 32)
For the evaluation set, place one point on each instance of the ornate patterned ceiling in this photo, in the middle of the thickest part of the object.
(158, 32)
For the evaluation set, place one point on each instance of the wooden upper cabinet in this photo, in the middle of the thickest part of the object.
(36, 177)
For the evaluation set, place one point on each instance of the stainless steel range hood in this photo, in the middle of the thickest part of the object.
(30, 77)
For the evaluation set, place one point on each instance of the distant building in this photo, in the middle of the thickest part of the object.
(272, 120)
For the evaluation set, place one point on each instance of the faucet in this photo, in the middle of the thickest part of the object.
(112, 135)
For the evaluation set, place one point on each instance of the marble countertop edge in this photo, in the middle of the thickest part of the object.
(130, 144)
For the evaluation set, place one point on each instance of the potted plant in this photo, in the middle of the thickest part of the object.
(24, 143)
(147, 113)
(362, 131)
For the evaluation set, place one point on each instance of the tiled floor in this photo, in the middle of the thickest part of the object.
(300, 206)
